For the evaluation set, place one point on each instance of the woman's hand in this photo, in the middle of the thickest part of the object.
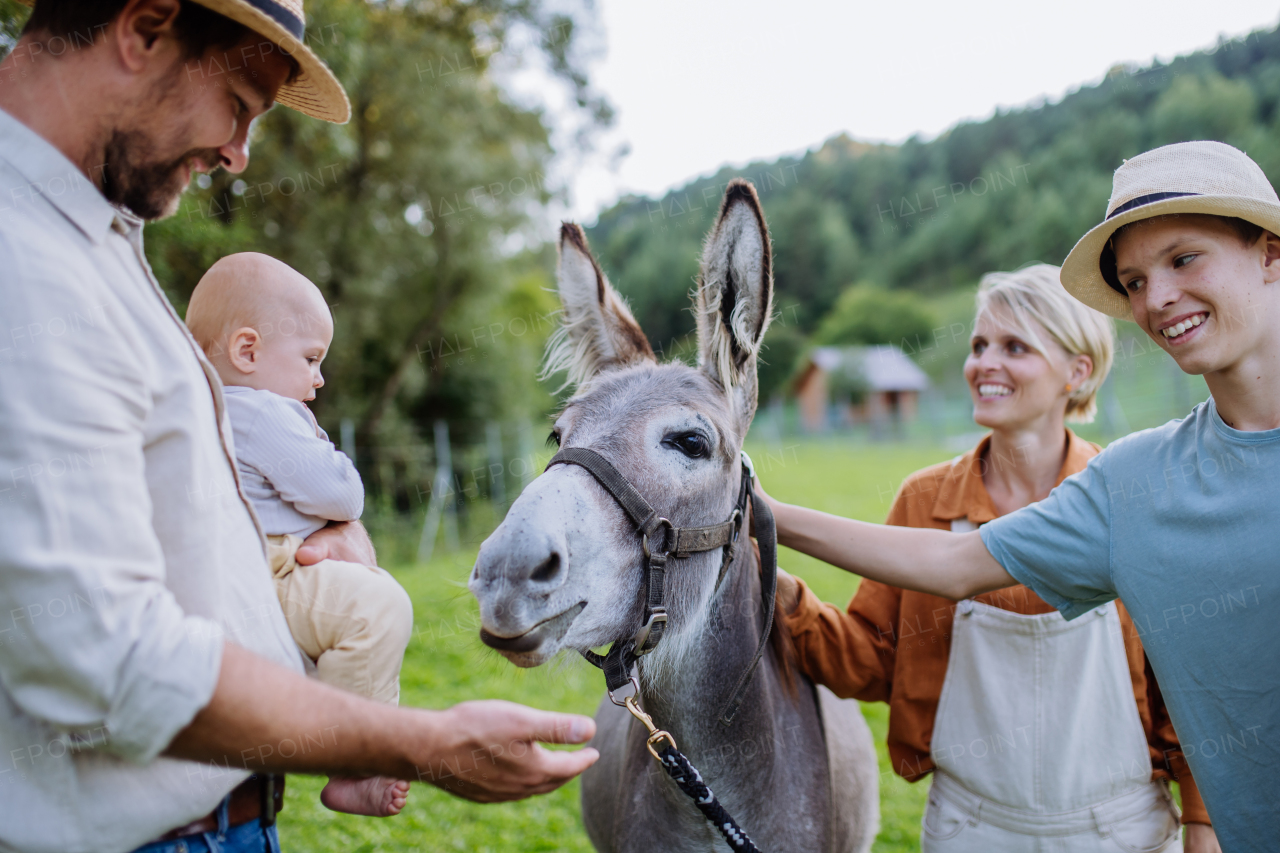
(1201, 838)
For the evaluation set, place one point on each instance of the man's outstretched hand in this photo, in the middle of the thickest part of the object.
(491, 751)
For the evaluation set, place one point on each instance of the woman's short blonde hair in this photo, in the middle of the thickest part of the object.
(1035, 300)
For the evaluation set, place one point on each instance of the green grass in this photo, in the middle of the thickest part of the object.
(446, 664)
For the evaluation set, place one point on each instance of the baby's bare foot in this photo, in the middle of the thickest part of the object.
(374, 796)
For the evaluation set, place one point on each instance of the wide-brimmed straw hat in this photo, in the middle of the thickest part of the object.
(315, 92)
(1189, 177)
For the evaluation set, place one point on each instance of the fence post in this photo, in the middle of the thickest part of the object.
(525, 438)
(347, 435)
(498, 480)
(442, 504)
(1114, 420)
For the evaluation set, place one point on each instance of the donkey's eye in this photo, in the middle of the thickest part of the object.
(691, 444)
(553, 440)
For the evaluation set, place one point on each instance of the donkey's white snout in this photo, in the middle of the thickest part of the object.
(518, 571)
(531, 559)
(519, 580)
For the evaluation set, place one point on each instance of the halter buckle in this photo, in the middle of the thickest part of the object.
(641, 639)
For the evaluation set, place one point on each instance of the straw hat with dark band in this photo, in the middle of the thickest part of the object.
(1189, 177)
(315, 92)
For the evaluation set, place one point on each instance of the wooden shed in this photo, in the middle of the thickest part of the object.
(843, 386)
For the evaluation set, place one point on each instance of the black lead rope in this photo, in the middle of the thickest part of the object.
(687, 777)
(680, 542)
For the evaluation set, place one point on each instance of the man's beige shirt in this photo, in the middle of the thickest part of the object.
(127, 552)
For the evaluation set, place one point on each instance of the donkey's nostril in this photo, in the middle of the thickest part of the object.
(547, 570)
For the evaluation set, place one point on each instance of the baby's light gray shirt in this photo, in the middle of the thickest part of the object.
(295, 478)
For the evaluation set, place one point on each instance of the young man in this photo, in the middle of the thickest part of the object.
(141, 632)
(1177, 522)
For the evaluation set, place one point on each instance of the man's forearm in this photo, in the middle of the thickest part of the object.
(263, 717)
(951, 565)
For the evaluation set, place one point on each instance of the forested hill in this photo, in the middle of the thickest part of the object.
(932, 216)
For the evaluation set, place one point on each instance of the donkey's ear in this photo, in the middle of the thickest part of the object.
(735, 294)
(597, 332)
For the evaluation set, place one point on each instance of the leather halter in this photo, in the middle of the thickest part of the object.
(663, 541)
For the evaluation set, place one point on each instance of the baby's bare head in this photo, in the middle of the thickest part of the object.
(262, 324)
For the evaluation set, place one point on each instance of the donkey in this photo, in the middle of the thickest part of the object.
(796, 767)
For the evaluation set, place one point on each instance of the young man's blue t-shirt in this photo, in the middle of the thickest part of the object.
(1182, 523)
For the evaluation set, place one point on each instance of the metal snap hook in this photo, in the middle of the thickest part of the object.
(656, 735)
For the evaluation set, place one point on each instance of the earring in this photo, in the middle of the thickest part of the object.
(1069, 387)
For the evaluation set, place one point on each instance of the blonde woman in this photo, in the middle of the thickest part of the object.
(1041, 734)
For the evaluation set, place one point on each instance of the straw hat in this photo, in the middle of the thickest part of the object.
(316, 92)
(1189, 177)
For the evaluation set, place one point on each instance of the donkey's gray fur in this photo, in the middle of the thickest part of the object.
(563, 570)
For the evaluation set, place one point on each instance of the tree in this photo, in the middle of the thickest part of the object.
(403, 217)
(866, 314)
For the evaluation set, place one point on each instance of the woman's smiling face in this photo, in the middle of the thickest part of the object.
(1014, 384)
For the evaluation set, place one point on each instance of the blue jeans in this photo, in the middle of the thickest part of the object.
(248, 837)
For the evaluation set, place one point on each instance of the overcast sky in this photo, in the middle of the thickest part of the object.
(697, 83)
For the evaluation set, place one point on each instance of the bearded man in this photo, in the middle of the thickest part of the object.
(145, 666)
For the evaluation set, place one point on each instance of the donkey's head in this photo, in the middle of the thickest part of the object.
(564, 569)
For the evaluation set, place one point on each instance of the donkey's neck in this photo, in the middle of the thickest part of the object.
(686, 695)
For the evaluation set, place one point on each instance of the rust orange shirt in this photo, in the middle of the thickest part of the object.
(892, 645)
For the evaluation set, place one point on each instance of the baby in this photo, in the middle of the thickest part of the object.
(266, 330)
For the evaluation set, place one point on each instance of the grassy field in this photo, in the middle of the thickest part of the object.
(446, 664)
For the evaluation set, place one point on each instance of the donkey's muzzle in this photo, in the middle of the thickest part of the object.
(546, 632)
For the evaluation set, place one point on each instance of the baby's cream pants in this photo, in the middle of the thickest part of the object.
(353, 621)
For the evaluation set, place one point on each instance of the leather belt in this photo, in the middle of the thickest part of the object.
(259, 796)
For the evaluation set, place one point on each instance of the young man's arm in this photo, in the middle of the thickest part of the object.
(262, 717)
(951, 565)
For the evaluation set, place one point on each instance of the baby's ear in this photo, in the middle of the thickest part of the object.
(242, 349)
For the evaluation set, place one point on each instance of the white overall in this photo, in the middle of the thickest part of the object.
(1037, 741)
